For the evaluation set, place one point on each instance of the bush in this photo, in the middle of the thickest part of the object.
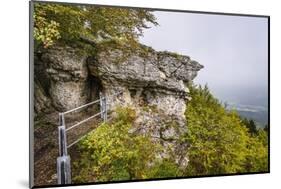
(165, 169)
(112, 152)
(219, 141)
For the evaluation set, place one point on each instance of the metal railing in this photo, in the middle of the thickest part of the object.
(63, 161)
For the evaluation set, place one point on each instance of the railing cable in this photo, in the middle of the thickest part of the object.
(83, 121)
(63, 161)
(80, 107)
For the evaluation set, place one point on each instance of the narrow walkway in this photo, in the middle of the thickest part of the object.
(46, 144)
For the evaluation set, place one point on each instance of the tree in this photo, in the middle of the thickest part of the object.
(53, 22)
(265, 128)
(250, 124)
(257, 156)
(219, 141)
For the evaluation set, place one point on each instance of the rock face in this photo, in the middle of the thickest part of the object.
(154, 85)
(155, 80)
(68, 77)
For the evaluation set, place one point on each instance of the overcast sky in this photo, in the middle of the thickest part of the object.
(232, 49)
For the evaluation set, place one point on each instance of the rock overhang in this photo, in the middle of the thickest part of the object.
(155, 82)
(161, 71)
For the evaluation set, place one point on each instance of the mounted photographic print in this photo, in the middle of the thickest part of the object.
(124, 94)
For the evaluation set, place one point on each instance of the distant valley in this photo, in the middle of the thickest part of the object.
(257, 113)
(249, 102)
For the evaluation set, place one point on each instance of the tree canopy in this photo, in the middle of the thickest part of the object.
(220, 141)
(53, 22)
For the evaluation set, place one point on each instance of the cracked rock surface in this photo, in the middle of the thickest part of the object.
(154, 85)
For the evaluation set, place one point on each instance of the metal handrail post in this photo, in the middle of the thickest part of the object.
(105, 109)
(103, 106)
(63, 161)
(62, 136)
(63, 170)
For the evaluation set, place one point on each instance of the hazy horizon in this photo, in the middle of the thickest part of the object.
(232, 49)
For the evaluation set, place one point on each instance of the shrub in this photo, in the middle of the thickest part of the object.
(112, 152)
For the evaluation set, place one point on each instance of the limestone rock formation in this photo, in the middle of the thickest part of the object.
(157, 79)
(154, 85)
(67, 73)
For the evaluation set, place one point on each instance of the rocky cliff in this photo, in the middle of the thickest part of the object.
(154, 85)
